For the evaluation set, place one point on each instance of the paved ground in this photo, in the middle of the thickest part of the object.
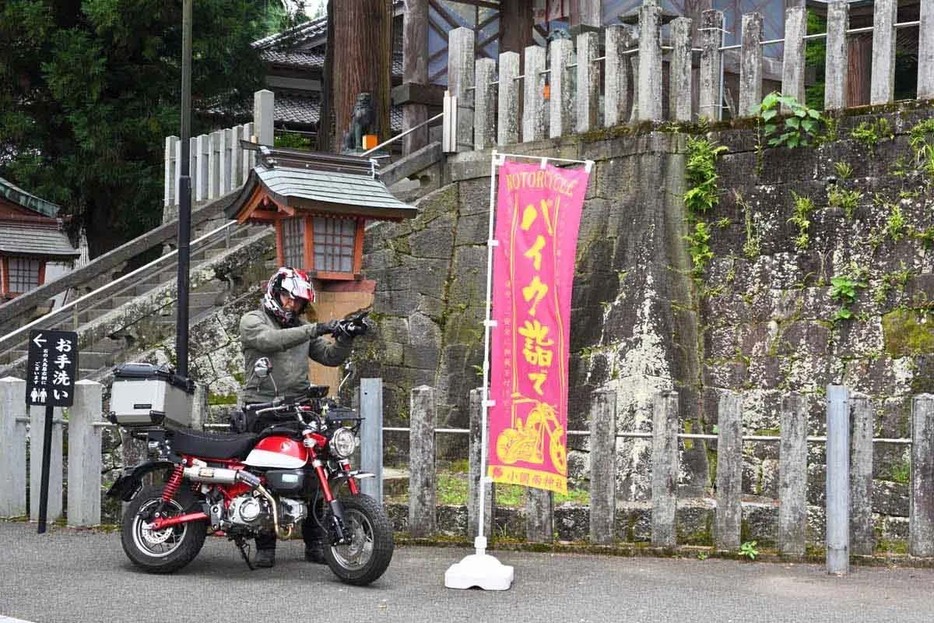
(70, 576)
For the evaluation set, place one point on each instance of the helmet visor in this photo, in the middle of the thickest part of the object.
(298, 288)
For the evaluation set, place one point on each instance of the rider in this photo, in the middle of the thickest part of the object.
(279, 332)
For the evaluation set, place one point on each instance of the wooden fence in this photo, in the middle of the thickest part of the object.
(849, 483)
(498, 106)
(848, 492)
(217, 161)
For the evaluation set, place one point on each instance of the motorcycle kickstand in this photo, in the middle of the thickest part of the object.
(242, 545)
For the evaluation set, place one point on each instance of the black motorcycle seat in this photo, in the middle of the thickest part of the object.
(212, 445)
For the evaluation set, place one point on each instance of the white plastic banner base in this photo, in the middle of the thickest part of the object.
(479, 571)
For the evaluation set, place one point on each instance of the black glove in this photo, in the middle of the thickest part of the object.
(331, 327)
(352, 328)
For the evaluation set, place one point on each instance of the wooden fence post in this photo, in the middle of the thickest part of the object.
(561, 96)
(171, 176)
(199, 173)
(13, 447)
(249, 157)
(617, 103)
(475, 470)
(750, 69)
(588, 81)
(603, 467)
(796, 22)
(422, 479)
(539, 516)
(926, 51)
(862, 537)
(793, 474)
(264, 116)
(533, 102)
(921, 504)
(664, 468)
(485, 101)
(679, 91)
(461, 74)
(371, 436)
(838, 481)
(710, 62)
(650, 62)
(56, 475)
(836, 65)
(882, 87)
(729, 471)
(84, 455)
(507, 123)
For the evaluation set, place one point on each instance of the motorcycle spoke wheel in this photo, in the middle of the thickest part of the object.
(365, 558)
(166, 550)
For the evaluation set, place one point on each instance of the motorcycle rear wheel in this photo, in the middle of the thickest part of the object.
(163, 551)
(367, 556)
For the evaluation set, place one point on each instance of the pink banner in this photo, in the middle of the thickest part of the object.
(538, 212)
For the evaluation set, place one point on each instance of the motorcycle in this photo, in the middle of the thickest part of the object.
(240, 484)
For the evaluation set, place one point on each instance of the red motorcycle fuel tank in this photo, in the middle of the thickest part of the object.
(279, 452)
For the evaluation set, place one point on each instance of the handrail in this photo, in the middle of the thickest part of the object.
(55, 313)
(24, 303)
(400, 135)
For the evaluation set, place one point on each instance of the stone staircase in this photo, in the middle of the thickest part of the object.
(121, 319)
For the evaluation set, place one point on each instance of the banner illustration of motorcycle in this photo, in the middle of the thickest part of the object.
(538, 212)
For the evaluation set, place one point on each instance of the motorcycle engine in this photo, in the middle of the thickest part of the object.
(291, 511)
(247, 510)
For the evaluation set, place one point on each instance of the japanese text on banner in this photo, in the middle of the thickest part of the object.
(537, 217)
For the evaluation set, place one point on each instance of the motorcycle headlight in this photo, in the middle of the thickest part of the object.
(343, 443)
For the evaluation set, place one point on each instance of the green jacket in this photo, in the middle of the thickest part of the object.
(288, 349)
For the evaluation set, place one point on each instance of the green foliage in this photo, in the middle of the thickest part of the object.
(843, 169)
(895, 224)
(815, 59)
(804, 206)
(294, 140)
(699, 248)
(844, 289)
(846, 200)
(749, 549)
(921, 141)
(701, 173)
(91, 89)
(800, 127)
(871, 133)
(752, 245)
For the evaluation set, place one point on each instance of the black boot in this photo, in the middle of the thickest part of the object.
(265, 558)
(314, 552)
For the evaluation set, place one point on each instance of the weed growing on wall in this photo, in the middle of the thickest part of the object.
(846, 200)
(702, 193)
(701, 196)
(800, 218)
(844, 289)
(843, 170)
(871, 133)
(921, 141)
(800, 127)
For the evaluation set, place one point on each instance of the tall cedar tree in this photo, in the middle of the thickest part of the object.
(90, 89)
(359, 60)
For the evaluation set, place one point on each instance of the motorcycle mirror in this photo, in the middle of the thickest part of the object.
(263, 367)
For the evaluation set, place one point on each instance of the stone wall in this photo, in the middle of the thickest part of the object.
(761, 319)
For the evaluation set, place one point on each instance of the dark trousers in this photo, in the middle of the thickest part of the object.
(312, 534)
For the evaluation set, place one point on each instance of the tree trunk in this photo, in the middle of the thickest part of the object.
(361, 33)
(325, 111)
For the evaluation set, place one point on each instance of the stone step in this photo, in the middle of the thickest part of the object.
(94, 359)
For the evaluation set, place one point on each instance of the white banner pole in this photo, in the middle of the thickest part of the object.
(480, 569)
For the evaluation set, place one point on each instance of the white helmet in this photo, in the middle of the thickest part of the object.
(293, 282)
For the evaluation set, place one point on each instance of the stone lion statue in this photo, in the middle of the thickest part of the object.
(362, 121)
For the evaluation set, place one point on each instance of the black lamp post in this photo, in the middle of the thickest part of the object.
(184, 199)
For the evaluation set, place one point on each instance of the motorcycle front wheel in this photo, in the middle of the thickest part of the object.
(161, 551)
(367, 556)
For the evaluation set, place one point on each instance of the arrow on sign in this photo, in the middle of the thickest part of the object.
(39, 340)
